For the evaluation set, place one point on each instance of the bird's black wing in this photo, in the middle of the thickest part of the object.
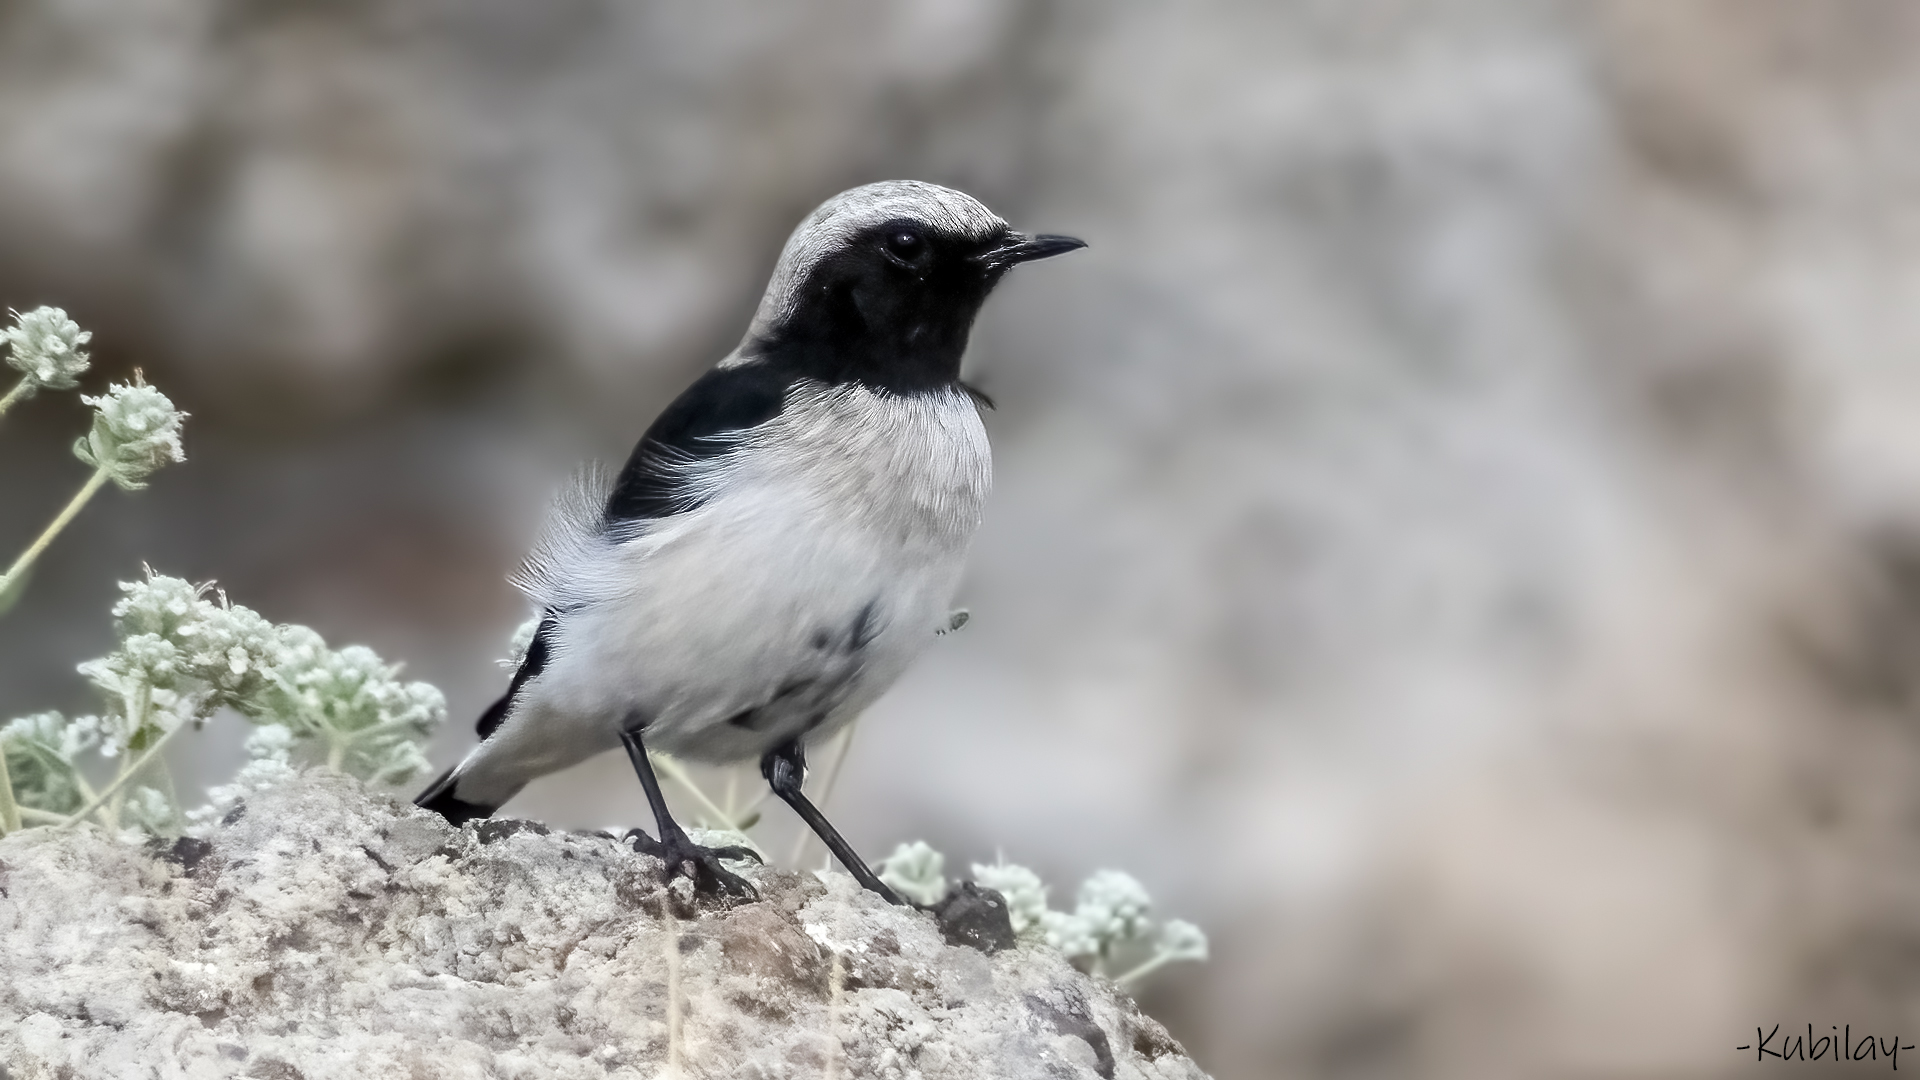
(725, 401)
(535, 660)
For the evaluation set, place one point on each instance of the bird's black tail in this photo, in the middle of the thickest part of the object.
(440, 799)
(439, 796)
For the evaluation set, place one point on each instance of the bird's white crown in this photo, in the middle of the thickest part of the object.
(836, 222)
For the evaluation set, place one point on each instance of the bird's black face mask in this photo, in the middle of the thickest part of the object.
(893, 309)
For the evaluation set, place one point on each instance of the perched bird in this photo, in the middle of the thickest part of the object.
(785, 539)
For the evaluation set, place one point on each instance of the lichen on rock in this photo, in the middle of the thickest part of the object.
(324, 932)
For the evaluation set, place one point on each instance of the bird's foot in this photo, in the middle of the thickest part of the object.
(700, 865)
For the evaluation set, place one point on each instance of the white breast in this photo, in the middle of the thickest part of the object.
(911, 471)
(821, 560)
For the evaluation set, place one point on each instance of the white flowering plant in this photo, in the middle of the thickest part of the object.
(182, 656)
(916, 872)
(44, 346)
(1111, 930)
(184, 653)
(135, 431)
(135, 428)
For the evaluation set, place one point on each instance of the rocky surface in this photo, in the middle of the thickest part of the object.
(325, 933)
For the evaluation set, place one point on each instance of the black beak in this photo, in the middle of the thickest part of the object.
(1019, 248)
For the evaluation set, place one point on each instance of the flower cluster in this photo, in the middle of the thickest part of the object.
(269, 761)
(135, 430)
(1111, 928)
(1113, 907)
(1026, 896)
(1110, 931)
(914, 871)
(183, 655)
(371, 724)
(44, 346)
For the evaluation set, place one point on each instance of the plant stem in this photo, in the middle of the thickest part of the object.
(51, 760)
(44, 817)
(127, 774)
(9, 810)
(110, 813)
(346, 738)
(176, 815)
(39, 545)
(80, 784)
(19, 393)
(678, 774)
(746, 812)
(1159, 960)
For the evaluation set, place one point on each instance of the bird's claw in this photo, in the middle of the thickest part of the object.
(738, 854)
(700, 865)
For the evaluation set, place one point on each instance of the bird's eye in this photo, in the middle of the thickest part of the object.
(907, 246)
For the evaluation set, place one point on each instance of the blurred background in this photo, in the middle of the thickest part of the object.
(1457, 534)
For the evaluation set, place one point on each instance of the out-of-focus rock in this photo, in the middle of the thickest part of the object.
(328, 934)
(1480, 435)
(315, 207)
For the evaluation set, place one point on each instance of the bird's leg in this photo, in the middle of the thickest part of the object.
(682, 855)
(785, 767)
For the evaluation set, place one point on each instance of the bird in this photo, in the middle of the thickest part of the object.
(786, 537)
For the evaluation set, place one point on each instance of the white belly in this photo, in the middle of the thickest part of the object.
(822, 561)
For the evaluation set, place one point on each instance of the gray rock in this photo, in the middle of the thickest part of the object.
(329, 933)
(976, 917)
